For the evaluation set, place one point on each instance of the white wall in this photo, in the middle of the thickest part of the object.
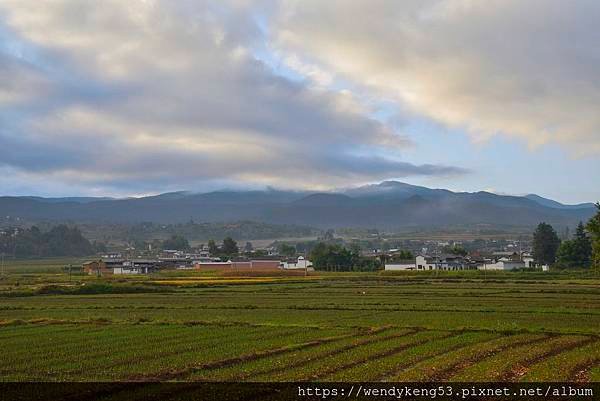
(394, 266)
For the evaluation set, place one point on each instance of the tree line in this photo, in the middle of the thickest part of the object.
(60, 240)
(582, 251)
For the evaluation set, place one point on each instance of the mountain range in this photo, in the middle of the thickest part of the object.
(388, 205)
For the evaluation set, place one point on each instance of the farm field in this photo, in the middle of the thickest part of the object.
(330, 327)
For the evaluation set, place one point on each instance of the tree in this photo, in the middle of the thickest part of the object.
(584, 245)
(229, 247)
(456, 250)
(567, 255)
(332, 257)
(287, 250)
(61, 240)
(248, 248)
(327, 235)
(545, 244)
(213, 249)
(593, 227)
(177, 242)
(576, 252)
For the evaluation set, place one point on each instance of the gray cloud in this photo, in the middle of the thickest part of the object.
(118, 94)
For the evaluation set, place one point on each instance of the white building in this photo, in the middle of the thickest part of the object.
(300, 263)
(401, 265)
(503, 264)
(443, 262)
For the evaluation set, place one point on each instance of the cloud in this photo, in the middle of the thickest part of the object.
(155, 95)
(527, 69)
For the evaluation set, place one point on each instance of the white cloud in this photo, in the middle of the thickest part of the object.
(528, 69)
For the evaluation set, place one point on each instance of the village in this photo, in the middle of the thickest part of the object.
(440, 257)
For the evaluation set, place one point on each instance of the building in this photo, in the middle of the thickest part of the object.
(300, 263)
(406, 264)
(243, 265)
(137, 266)
(444, 262)
(505, 261)
(503, 264)
(96, 267)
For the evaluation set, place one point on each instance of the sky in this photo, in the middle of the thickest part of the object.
(128, 98)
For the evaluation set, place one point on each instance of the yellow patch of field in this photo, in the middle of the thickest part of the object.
(228, 280)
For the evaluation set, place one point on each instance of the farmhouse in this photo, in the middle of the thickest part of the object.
(444, 262)
(120, 266)
(96, 267)
(300, 263)
(511, 262)
(406, 264)
(137, 266)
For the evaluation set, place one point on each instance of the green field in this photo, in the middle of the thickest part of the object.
(349, 327)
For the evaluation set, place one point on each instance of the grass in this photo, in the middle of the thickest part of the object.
(337, 326)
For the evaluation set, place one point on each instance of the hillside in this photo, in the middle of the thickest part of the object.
(389, 205)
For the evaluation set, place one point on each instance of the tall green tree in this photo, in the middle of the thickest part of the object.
(229, 247)
(593, 227)
(576, 252)
(545, 244)
(213, 249)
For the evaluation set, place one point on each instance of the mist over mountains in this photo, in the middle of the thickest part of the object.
(388, 205)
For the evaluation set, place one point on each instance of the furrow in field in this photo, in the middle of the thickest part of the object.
(508, 364)
(523, 366)
(179, 344)
(581, 374)
(328, 374)
(175, 374)
(568, 366)
(394, 366)
(479, 352)
(265, 368)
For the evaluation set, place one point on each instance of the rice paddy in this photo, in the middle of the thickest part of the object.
(322, 328)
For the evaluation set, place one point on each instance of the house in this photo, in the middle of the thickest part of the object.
(300, 263)
(406, 264)
(507, 262)
(444, 262)
(503, 264)
(96, 267)
(137, 266)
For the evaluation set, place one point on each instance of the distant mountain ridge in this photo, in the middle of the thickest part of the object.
(390, 204)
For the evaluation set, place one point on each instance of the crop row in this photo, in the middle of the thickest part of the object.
(267, 367)
(134, 349)
(514, 362)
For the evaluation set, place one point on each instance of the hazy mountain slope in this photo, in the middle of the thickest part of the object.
(387, 205)
(554, 204)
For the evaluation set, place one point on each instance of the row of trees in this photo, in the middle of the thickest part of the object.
(334, 257)
(582, 251)
(60, 240)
